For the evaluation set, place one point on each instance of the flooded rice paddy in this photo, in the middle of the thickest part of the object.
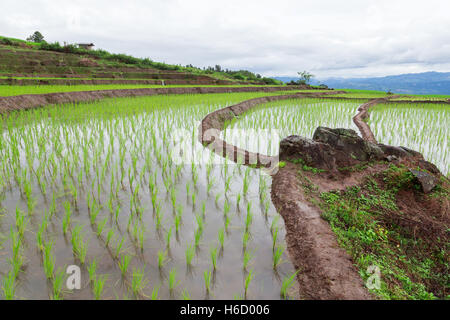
(98, 186)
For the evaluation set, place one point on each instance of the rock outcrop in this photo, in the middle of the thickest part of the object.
(331, 149)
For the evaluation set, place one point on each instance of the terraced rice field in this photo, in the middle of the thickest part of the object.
(425, 128)
(97, 185)
(103, 186)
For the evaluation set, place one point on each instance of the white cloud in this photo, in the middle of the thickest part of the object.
(328, 38)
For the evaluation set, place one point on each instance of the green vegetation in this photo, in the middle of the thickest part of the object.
(364, 220)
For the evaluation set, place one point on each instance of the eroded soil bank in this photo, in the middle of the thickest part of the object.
(386, 206)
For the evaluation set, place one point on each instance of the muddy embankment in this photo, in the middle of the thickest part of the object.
(39, 100)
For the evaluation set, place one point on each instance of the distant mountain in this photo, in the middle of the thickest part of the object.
(411, 83)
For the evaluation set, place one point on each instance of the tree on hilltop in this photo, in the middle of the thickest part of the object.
(36, 37)
(305, 77)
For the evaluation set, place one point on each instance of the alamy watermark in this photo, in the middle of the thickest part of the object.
(374, 280)
(74, 279)
(184, 147)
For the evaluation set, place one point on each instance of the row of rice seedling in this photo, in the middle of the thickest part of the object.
(15, 90)
(99, 185)
(421, 127)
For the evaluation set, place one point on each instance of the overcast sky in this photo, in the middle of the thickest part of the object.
(351, 38)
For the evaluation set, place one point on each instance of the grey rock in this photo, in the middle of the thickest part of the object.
(317, 154)
(394, 151)
(426, 180)
(348, 141)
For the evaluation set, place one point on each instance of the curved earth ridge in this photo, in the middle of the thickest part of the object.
(214, 122)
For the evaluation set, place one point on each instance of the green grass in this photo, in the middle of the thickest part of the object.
(409, 266)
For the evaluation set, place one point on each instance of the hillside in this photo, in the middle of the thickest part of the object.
(25, 63)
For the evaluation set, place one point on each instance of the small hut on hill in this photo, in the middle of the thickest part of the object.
(87, 46)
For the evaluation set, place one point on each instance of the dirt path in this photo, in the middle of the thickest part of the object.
(362, 115)
(326, 270)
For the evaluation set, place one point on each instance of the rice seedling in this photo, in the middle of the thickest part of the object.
(216, 201)
(177, 221)
(185, 295)
(213, 255)
(207, 277)
(287, 284)
(138, 281)
(124, 262)
(200, 222)
(172, 279)
(245, 239)
(203, 208)
(226, 207)
(274, 238)
(92, 269)
(155, 292)
(227, 222)
(197, 237)
(246, 259)
(194, 198)
(277, 257)
(221, 236)
(162, 258)
(249, 217)
(21, 222)
(67, 217)
(98, 285)
(190, 253)
(48, 260)
(247, 281)
(238, 200)
(119, 247)
(109, 237)
(9, 286)
(79, 247)
(40, 240)
(168, 237)
(274, 223)
(58, 282)
(246, 182)
(101, 226)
